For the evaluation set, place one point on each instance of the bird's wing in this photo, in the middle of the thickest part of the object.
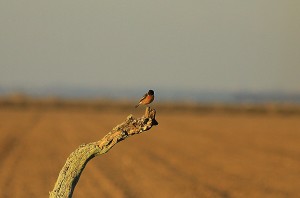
(143, 97)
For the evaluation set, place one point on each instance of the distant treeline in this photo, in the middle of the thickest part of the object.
(56, 103)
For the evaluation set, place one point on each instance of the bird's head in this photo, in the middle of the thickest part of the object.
(151, 92)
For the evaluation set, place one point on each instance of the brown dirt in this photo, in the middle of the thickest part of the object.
(186, 155)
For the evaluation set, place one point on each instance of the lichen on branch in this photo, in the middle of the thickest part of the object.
(76, 162)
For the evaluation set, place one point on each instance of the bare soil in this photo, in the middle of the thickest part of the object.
(188, 154)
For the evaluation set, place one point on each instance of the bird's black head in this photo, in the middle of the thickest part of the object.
(151, 92)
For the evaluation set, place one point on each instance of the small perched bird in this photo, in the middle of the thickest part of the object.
(147, 98)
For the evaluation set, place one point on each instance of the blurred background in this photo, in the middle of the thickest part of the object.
(227, 95)
(224, 51)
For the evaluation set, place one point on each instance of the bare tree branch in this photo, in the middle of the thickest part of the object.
(76, 162)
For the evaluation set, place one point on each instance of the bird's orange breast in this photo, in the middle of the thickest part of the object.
(147, 100)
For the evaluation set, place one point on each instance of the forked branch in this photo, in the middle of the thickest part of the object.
(76, 162)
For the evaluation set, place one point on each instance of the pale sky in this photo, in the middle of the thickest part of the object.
(230, 45)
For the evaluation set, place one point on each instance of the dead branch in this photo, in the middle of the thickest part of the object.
(76, 162)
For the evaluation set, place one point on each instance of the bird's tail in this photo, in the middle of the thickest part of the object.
(136, 105)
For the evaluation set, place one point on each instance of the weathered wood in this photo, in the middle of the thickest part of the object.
(76, 162)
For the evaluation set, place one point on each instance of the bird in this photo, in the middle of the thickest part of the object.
(147, 98)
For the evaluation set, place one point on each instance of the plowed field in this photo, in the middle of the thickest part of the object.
(186, 155)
